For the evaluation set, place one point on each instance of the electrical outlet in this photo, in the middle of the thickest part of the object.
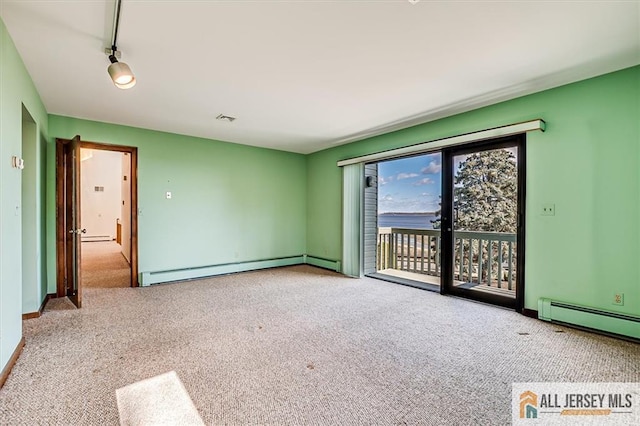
(618, 299)
(548, 210)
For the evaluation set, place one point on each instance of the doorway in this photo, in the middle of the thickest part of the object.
(451, 221)
(96, 198)
(32, 166)
(105, 216)
(405, 207)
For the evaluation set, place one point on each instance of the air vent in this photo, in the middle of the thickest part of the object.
(225, 118)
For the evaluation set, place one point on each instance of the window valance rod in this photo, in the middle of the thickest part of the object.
(435, 145)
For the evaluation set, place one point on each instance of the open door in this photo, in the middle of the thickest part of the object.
(68, 204)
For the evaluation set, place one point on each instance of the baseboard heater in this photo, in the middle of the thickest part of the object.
(321, 262)
(157, 277)
(582, 316)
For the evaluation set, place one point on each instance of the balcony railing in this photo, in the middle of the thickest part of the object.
(483, 258)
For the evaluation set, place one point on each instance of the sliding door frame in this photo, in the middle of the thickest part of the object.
(447, 223)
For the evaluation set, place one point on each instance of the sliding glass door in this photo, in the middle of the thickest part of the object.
(482, 221)
(450, 221)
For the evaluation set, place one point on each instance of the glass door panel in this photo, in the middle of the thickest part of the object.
(485, 221)
(407, 196)
(483, 195)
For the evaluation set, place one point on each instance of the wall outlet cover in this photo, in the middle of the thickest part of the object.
(548, 209)
(618, 299)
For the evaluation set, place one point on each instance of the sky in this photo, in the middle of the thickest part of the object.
(414, 184)
(410, 184)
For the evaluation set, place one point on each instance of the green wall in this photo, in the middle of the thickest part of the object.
(230, 202)
(16, 90)
(587, 163)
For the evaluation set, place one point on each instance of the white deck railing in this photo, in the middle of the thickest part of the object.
(487, 258)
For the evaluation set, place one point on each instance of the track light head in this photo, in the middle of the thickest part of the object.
(121, 74)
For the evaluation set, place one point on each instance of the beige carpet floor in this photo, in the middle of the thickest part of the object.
(160, 400)
(296, 346)
(103, 265)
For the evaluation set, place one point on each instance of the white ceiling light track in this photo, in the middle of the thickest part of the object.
(120, 72)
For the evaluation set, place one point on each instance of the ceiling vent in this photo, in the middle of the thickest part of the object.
(223, 117)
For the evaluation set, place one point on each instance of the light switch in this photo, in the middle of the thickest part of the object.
(168, 195)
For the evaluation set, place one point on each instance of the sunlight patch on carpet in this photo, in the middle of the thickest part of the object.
(160, 400)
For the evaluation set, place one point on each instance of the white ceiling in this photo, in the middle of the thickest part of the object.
(304, 75)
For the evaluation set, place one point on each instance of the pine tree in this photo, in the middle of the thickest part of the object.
(485, 200)
(485, 191)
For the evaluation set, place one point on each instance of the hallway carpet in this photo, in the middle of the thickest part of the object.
(103, 265)
(297, 346)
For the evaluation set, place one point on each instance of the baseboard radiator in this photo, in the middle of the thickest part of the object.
(157, 277)
(582, 316)
(334, 265)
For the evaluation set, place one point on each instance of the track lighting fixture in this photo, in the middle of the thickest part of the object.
(119, 72)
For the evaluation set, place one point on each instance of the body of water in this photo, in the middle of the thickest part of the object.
(406, 220)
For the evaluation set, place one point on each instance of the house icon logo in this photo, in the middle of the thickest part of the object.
(528, 405)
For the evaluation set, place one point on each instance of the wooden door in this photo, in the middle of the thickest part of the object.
(69, 277)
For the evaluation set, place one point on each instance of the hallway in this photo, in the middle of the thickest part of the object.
(104, 266)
